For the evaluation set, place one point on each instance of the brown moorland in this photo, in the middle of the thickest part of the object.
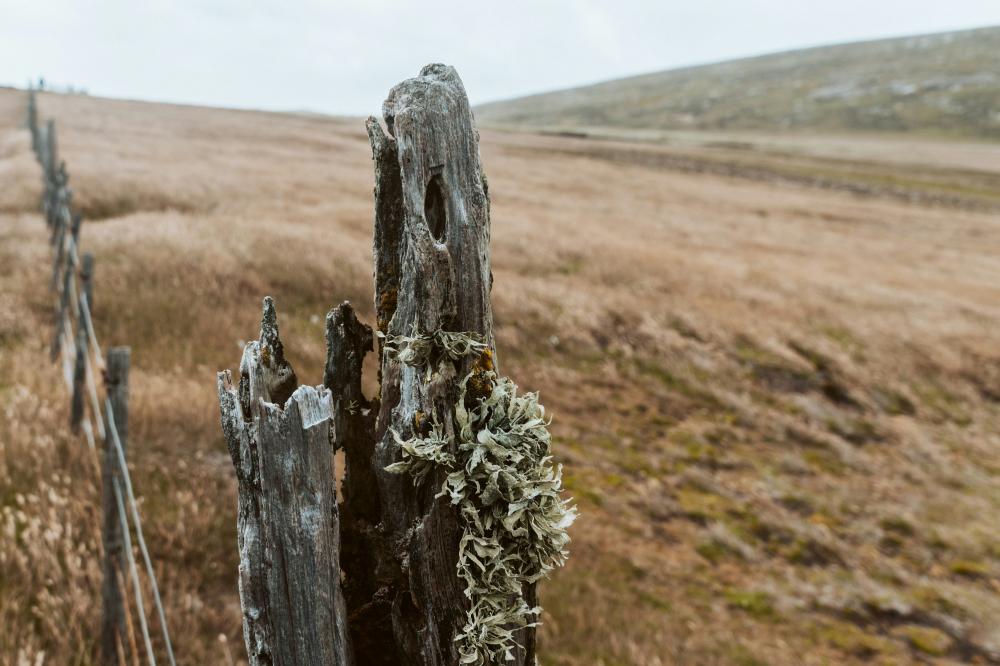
(777, 400)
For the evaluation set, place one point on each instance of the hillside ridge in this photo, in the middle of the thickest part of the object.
(943, 83)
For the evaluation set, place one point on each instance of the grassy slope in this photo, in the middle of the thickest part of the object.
(778, 406)
(943, 84)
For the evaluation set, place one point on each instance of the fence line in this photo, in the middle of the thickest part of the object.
(76, 347)
(140, 538)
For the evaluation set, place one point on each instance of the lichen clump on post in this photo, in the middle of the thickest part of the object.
(502, 480)
(427, 350)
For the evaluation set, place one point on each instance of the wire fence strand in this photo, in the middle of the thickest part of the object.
(137, 522)
(73, 311)
(133, 573)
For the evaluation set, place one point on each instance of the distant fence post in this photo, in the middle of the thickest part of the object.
(53, 215)
(58, 240)
(79, 381)
(33, 119)
(82, 342)
(278, 435)
(74, 326)
(51, 151)
(64, 294)
(87, 279)
(113, 610)
(65, 244)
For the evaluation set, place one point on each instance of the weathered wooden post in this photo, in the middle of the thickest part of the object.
(63, 246)
(432, 273)
(362, 548)
(51, 152)
(42, 154)
(278, 435)
(82, 341)
(54, 217)
(451, 510)
(47, 157)
(87, 283)
(33, 120)
(79, 380)
(56, 200)
(471, 513)
(65, 272)
(113, 610)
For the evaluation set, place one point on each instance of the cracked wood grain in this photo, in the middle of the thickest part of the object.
(278, 435)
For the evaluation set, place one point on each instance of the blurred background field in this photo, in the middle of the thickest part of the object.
(773, 363)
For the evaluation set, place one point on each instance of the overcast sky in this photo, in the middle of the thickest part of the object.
(342, 56)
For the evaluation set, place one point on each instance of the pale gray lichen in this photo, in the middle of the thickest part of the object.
(420, 455)
(427, 349)
(507, 491)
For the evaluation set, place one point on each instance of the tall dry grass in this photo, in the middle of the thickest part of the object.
(778, 406)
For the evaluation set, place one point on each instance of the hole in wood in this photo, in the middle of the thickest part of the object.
(435, 210)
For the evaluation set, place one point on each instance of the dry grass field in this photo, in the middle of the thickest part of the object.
(777, 395)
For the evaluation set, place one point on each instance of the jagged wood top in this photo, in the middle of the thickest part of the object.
(279, 436)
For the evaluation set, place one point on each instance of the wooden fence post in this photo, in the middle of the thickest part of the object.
(62, 245)
(67, 279)
(40, 153)
(33, 120)
(87, 279)
(53, 216)
(113, 610)
(347, 342)
(51, 151)
(82, 341)
(43, 150)
(451, 509)
(432, 272)
(278, 435)
(79, 380)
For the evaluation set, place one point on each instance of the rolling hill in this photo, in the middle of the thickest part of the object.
(946, 83)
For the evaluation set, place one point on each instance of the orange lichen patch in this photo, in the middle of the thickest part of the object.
(421, 424)
(480, 382)
(485, 361)
(386, 307)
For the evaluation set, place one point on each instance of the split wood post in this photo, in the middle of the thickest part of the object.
(362, 548)
(278, 435)
(113, 610)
